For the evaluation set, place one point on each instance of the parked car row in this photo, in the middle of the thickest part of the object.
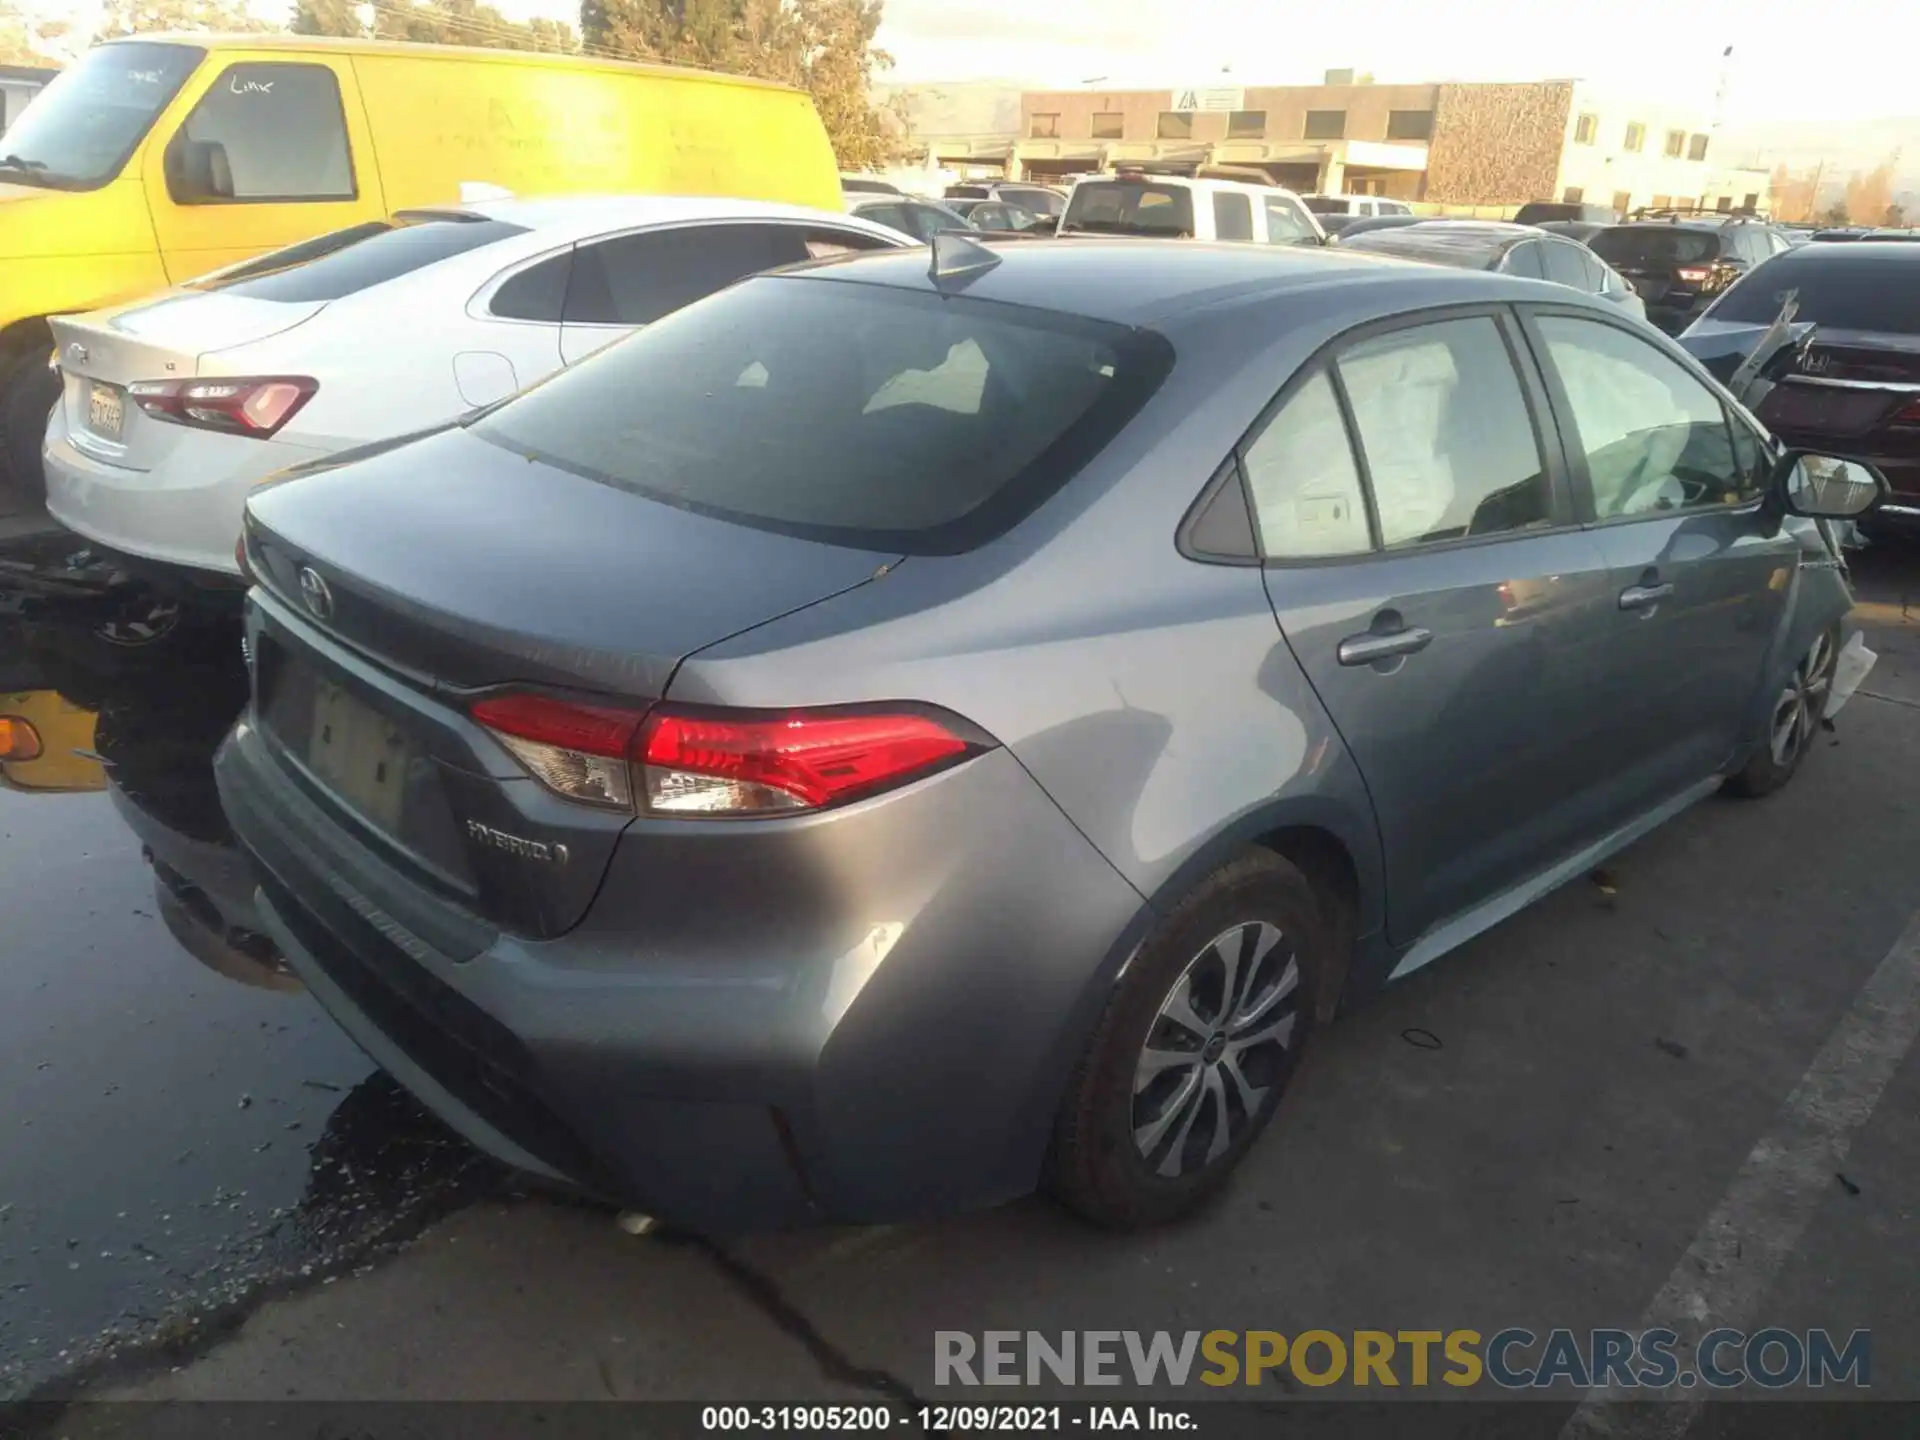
(1100, 661)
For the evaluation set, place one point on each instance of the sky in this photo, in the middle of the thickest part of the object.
(1839, 61)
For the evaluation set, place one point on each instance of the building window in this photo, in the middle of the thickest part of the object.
(1623, 201)
(1636, 136)
(1697, 148)
(1585, 128)
(1246, 124)
(1724, 203)
(1326, 125)
(1108, 124)
(1044, 127)
(1752, 202)
(1176, 125)
(1574, 195)
(1409, 125)
(1676, 144)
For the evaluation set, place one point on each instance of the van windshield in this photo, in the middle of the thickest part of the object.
(1129, 207)
(80, 130)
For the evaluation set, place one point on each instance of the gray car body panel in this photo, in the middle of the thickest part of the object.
(882, 1022)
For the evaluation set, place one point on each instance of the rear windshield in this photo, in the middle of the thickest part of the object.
(851, 413)
(1325, 204)
(1125, 207)
(1656, 247)
(1840, 288)
(348, 261)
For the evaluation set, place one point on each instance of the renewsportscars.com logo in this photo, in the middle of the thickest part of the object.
(1514, 1359)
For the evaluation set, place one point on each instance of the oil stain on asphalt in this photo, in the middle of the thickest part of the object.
(183, 1130)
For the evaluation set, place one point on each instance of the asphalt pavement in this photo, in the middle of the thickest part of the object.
(205, 1193)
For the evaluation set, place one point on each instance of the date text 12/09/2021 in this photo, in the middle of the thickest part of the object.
(814, 1418)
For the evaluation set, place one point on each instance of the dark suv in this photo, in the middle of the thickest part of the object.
(1681, 266)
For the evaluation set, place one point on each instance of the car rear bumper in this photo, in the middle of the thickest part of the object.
(185, 514)
(864, 1016)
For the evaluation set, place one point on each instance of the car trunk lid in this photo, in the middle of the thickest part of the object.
(101, 354)
(488, 571)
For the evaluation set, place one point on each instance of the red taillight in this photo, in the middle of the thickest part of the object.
(577, 751)
(1907, 415)
(746, 765)
(232, 405)
(1694, 274)
(240, 561)
(717, 763)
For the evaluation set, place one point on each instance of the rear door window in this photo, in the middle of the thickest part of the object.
(1446, 434)
(1123, 207)
(1566, 265)
(371, 255)
(263, 133)
(537, 293)
(1232, 216)
(1525, 260)
(1302, 480)
(1287, 222)
(852, 413)
(635, 279)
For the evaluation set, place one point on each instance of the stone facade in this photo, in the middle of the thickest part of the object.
(1498, 144)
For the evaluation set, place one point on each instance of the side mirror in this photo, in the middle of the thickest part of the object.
(198, 172)
(1826, 487)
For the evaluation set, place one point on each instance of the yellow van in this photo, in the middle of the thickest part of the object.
(156, 159)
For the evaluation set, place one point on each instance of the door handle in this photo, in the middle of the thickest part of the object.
(1644, 597)
(1365, 648)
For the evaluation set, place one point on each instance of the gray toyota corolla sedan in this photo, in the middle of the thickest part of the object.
(897, 733)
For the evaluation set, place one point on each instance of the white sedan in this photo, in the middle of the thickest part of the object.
(174, 408)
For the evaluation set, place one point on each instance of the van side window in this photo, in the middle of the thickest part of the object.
(636, 279)
(263, 133)
(1232, 216)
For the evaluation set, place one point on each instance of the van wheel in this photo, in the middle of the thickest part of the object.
(1195, 1049)
(1792, 721)
(28, 392)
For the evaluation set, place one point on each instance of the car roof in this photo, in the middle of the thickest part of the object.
(1140, 281)
(1189, 182)
(556, 217)
(1452, 242)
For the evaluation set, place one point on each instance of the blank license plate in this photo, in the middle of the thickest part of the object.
(106, 409)
(360, 754)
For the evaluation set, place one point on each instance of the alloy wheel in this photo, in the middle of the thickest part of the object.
(1802, 701)
(1217, 1046)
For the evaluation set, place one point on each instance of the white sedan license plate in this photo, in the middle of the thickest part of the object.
(106, 410)
(360, 754)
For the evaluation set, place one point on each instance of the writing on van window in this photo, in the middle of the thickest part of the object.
(266, 131)
(146, 77)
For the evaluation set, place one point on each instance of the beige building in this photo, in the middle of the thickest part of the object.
(1445, 143)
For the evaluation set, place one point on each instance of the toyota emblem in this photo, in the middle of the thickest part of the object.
(314, 591)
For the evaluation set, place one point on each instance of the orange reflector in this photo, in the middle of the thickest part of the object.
(18, 739)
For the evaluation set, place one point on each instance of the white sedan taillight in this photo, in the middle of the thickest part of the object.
(718, 763)
(234, 406)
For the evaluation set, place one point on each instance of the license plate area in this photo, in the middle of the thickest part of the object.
(359, 754)
(106, 410)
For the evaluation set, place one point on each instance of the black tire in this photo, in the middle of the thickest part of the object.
(28, 390)
(1098, 1167)
(1793, 720)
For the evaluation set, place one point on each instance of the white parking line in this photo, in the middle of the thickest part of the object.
(1735, 1258)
